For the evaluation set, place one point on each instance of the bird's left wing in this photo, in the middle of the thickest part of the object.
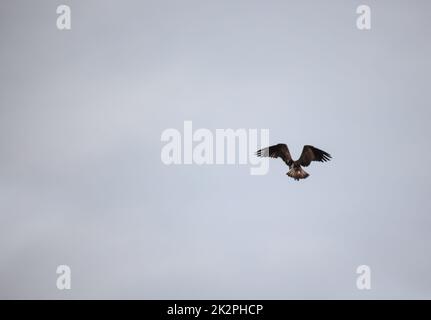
(310, 153)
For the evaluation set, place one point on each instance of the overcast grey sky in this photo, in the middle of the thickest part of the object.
(82, 183)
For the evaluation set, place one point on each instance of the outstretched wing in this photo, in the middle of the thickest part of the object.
(277, 151)
(310, 153)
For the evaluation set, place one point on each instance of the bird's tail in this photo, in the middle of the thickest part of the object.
(297, 173)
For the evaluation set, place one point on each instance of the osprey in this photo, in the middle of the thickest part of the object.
(309, 153)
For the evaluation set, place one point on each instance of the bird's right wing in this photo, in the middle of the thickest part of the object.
(277, 151)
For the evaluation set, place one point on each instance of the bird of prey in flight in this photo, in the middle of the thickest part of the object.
(309, 153)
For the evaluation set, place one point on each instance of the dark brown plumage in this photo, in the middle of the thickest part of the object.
(309, 153)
